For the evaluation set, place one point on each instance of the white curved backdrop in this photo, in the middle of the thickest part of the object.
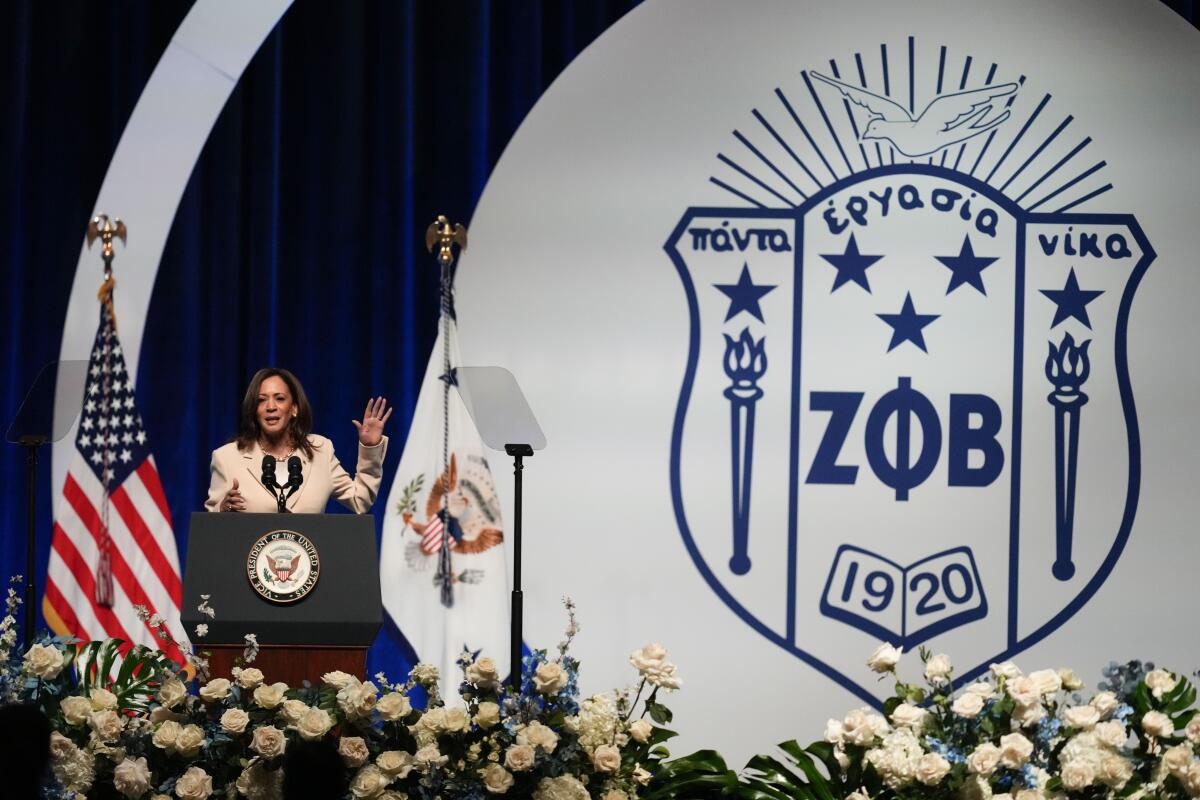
(578, 227)
(151, 166)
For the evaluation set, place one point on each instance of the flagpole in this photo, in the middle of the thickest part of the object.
(445, 236)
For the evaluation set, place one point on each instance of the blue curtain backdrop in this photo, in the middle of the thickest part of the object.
(298, 240)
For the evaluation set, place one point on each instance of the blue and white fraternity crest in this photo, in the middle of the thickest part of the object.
(907, 403)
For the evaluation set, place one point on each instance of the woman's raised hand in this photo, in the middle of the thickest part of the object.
(370, 430)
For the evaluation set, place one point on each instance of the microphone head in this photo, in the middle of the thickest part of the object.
(268, 470)
(295, 471)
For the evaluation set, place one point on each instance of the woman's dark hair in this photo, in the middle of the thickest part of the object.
(299, 426)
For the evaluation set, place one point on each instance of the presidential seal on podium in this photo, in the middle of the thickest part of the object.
(283, 566)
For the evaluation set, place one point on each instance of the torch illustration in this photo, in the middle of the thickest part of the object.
(745, 363)
(1067, 368)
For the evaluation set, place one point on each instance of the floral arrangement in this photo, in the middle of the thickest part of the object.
(1007, 736)
(131, 726)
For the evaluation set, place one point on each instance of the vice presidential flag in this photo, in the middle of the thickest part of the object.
(113, 545)
(442, 564)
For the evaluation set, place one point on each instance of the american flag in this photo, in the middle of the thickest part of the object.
(113, 545)
(435, 534)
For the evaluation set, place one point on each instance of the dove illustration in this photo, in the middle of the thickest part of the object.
(948, 119)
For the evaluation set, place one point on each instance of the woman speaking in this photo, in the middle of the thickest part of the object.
(276, 423)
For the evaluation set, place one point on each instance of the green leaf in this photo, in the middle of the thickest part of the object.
(659, 713)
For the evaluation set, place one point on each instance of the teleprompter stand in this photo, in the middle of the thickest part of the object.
(44, 416)
(505, 422)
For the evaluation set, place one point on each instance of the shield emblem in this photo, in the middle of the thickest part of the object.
(906, 415)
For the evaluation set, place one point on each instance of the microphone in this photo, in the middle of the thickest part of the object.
(269, 482)
(295, 473)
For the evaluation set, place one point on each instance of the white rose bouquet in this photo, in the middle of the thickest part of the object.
(1003, 735)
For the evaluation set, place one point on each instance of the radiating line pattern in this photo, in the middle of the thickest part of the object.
(801, 140)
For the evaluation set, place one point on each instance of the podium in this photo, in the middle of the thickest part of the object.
(306, 585)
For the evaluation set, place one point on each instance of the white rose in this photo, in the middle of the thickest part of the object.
(1115, 771)
(483, 673)
(1046, 680)
(356, 700)
(1070, 680)
(549, 678)
(1158, 682)
(651, 656)
(337, 679)
(270, 696)
(906, 715)
(102, 699)
(395, 763)
(1193, 730)
(1023, 690)
(606, 758)
(1028, 716)
(862, 726)
(931, 768)
(1191, 781)
(268, 741)
(641, 776)
(1007, 670)
(353, 750)
(1106, 703)
(984, 759)
(983, 689)
(393, 706)
(1015, 750)
(967, 705)
(234, 720)
(259, 783)
(75, 710)
(487, 715)
(424, 674)
(166, 734)
(315, 723)
(250, 678)
(429, 757)
(132, 778)
(44, 662)
(368, 782)
(496, 779)
(1156, 723)
(189, 741)
(293, 711)
(106, 724)
(455, 720)
(171, 693)
(835, 731)
(1178, 759)
(216, 689)
(885, 658)
(1077, 775)
(535, 734)
(195, 784)
(518, 757)
(1082, 717)
(640, 731)
(859, 795)
(564, 787)
(1112, 734)
(938, 669)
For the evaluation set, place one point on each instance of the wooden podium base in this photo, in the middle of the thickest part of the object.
(291, 664)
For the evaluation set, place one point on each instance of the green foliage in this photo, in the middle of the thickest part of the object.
(768, 778)
(141, 671)
(698, 776)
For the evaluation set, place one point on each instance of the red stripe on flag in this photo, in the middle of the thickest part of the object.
(149, 475)
(148, 544)
(64, 610)
(133, 589)
(65, 548)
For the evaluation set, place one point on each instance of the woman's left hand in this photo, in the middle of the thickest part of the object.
(370, 430)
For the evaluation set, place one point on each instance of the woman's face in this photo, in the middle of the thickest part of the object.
(275, 407)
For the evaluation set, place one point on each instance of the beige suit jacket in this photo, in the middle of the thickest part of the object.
(323, 478)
